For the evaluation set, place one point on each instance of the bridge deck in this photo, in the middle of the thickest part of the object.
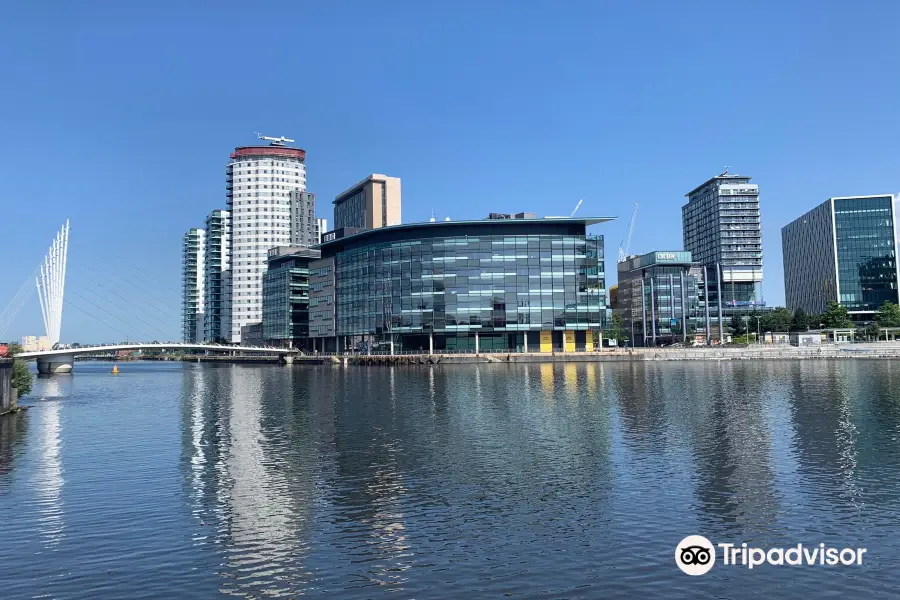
(128, 347)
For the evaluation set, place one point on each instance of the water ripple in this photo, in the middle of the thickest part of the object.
(522, 481)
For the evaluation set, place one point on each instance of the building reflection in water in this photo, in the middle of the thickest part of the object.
(821, 400)
(48, 478)
(547, 380)
(248, 483)
(367, 487)
(732, 446)
(13, 429)
(706, 422)
(570, 381)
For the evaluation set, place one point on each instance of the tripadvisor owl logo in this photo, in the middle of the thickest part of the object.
(695, 555)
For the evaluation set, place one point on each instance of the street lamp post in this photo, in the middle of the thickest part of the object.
(632, 333)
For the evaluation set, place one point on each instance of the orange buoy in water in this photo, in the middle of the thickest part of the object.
(115, 370)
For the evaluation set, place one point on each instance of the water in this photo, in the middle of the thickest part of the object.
(523, 481)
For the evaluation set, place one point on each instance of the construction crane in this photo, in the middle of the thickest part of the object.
(625, 243)
(577, 206)
(276, 141)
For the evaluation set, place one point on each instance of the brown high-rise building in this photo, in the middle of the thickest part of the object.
(371, 203)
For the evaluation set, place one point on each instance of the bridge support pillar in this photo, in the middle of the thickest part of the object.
(56, 365)
(287, 359)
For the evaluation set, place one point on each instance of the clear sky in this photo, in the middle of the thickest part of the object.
(121, 115)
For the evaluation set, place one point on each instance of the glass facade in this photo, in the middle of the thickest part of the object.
(286, 296)
(843, 250)
(659, 293)
(866, 253)
(321, 299)
(442, 283)
(350, 211)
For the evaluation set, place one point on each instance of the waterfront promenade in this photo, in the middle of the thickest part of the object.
(875, 350)
(881, 350)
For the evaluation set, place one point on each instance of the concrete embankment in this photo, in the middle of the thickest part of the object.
(884, 350)
(212, 358)
(7, 394)
(881, 350)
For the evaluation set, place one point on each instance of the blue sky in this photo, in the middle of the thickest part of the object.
(121, 115)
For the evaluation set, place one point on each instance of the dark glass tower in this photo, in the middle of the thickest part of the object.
(843, 250)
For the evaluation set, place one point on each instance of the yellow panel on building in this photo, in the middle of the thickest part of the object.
(546, 341)
(569, 337)
(588, 341)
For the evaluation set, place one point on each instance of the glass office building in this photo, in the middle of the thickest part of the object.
(659, 298)
(843, 250)
(460, 286)
(286, 296)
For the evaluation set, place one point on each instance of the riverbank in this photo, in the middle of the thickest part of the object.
(877, 350)
(881, 350)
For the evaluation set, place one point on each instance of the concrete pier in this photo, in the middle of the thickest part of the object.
(7, 394)
(56, 365)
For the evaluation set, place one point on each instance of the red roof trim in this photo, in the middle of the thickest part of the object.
(268, 151)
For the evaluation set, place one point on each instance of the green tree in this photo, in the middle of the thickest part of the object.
(615, 327)
(888, 315)
(21, 376)
(836, 317)
(738, 324)
(778, 321)
(871, 331)
(800, 321)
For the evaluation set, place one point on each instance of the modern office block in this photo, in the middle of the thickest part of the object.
(843, 250)
(193, 249)
(286, 296)
(461, 285)
(659, 298)
(369, 204)
(321, 304)
(721, 227)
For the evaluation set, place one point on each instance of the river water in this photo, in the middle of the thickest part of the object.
(488, 481)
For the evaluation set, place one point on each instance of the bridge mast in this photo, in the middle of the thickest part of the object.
(51, 284)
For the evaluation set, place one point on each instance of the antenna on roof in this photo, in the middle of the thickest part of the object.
(725, 172)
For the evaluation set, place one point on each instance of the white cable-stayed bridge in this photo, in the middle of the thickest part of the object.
(122, 299)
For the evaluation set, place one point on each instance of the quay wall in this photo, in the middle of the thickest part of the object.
(870, 351)
(7, 399)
